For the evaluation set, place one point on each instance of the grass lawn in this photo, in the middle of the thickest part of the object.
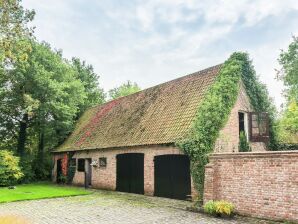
(38, 191)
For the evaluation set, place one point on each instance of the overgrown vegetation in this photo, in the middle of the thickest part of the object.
(243, 143)
(214, 110)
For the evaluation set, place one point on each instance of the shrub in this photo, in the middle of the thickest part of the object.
(210, 208)
(10, 171)
(219, 208)
(62, 179)
(243, 143)
(224, 208)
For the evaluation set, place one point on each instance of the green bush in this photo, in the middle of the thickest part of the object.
(210, 208)
(219, 208)
(10, 171)
(243, 143)
(62, 179)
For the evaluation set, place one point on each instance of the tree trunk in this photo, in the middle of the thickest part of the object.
(41, 146)
(22, 135)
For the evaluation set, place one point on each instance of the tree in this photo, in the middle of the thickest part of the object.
(90, 81)
(124, 90)
(14, 30)
(43, 96)
(288, 125)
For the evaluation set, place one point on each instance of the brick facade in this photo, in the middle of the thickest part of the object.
(105, 178)
(228, 139)
(263, 184)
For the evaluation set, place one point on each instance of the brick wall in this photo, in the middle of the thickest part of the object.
(263, 184)
(105, 178)
(54, 171)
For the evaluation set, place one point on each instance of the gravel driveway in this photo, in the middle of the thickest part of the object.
(108, 207)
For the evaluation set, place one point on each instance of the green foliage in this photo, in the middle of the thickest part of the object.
(62, 179)
(210, 207)
(213, 112)
(70, 174)
(258, 96)
(27, 166)
(89, 79)
(13, 29)
(42, 167)
(243, 143)
(124, 90)
(289, 72)
(287, 146)
(49, 93)
(288, 124)
(71, 168)
(219, 208)
(10, 171)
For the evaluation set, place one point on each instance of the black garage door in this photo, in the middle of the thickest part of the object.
(130, 173)
(172, 176)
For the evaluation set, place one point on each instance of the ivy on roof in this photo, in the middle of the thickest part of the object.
(214, 110)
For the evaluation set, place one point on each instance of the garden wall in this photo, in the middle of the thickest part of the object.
(260, 184)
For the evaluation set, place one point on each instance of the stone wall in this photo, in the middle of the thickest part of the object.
(263, 184)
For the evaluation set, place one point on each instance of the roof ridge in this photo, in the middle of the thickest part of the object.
(173, 80)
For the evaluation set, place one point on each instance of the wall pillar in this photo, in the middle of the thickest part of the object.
(149, 174)
(209, 183)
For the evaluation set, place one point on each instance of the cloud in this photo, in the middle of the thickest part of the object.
(154, 41)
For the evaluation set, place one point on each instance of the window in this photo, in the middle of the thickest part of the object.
(241, 122)
(81, 165)
(259, 127)
(102, 162)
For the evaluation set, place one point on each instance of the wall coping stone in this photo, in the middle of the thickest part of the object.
(292, 153)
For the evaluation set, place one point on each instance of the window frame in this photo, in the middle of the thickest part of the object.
(99, 162)
(259, 137)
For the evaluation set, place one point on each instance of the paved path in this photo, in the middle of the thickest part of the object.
(106, 207)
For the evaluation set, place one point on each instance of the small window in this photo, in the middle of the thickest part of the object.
(241, 122)
(259, 127)
(102, 162)
(81, 165)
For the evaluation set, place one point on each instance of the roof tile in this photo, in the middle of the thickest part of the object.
(157, 115)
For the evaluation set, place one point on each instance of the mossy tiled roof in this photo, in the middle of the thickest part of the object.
(157, 115)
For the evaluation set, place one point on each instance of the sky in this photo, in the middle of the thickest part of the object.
(151, 42)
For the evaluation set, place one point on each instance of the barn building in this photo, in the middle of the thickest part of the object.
(128, 144)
